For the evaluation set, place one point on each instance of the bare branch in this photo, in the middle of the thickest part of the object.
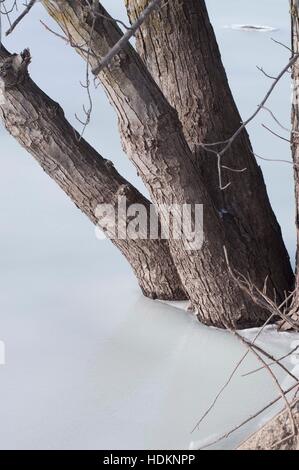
(275, 133)
(250, 418)
(228, 143)
(265, 73)
(282, 44)
(154, 4)
(276, 382)
(275, 160)
(274, 362)
(261, 105)
(22, 15)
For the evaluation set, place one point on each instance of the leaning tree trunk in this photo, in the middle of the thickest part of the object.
(38, 123)
(152, 137)
(178, 46)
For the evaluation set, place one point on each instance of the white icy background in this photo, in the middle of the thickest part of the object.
(90, 363)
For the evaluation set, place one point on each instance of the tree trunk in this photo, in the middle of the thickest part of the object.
(152, 137)
(38, 123)
(179, 48)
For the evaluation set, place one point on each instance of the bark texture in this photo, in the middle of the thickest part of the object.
(39, 125)
(179, 48)
(153, 138)
(276, 434)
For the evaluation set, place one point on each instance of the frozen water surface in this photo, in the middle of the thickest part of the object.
(90, 363)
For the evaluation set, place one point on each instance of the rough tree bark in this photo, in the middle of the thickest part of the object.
(38, 123)
(168, 105)
(179, 47)
(153, 139)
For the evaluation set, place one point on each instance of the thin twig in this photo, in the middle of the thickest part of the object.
(275, 380)
(236, 368)
(20, 17)
(261, 105)
(228, 143)
(68, 40)
(127, 36)
(250, 418)
(275, 133)
(273, 363)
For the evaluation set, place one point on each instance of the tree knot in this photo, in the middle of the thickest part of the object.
(14, 69)
(124, 190)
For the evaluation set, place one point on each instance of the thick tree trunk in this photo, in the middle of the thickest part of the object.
(153, 139)
(38, 123)
(178, 46)
(277, 434)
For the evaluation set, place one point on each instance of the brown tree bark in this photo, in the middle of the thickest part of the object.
(164, 117)
(152, 137)
(38, 123)
(179, 48)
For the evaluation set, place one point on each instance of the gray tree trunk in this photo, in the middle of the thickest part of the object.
(179, 48)
(153, 139)
(38, 123)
